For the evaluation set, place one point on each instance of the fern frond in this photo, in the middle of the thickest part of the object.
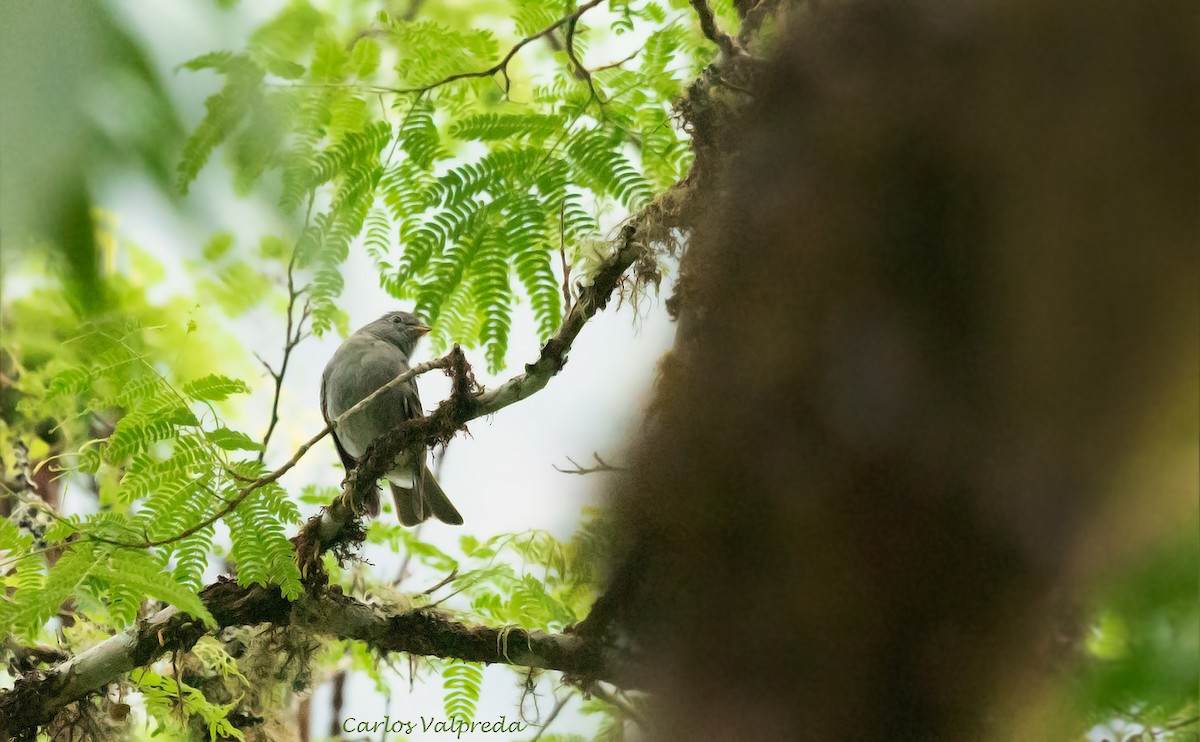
(330, 60)
(260, 548)
(191, 557)
(232, 440)
(169, 502)
(214, 388)
(536, 274)
(223, 112)
(434, 51)
(433, 236)
(405, 189)
(289, 34)
(29, 609)
(347, 113)
(446, 273)
(532, 16)
(462, 682)
(493, 127)
(135, 433)
(256, 146)
(419, 136)
(602, 166)
(221, 61)
(135, 570)
(493, 294)
(357, 149)
(163, 696)
(498, 173)
(378, 237)
(576, 221)
(365, 56)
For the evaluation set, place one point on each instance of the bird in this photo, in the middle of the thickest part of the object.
(371, 357)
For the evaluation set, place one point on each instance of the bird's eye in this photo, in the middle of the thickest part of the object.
(397, 320)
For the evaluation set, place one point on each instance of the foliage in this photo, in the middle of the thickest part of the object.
(468, 195)
(1143, 646)
(164, 695)
(455, 186)
(462, 681)
(124, 406)
(167, 465)
(529, 579)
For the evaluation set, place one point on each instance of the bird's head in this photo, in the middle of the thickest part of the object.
(401, 329)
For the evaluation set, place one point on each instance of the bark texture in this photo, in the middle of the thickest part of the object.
(939, 297)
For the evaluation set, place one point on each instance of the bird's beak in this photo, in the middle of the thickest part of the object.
(423, 329)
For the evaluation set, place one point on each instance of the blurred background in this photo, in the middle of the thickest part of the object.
(96, 111)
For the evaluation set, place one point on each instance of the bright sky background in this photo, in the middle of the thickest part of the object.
(501, 477)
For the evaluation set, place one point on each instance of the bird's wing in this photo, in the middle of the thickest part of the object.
(383, 363)
(361, 368)
(348, 461)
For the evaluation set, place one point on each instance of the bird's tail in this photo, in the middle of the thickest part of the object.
(415, 505)
(436, 500)
(410, 506)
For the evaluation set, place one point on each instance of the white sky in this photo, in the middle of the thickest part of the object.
(501, 477)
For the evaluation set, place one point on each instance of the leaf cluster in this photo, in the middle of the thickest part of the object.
(459, 189)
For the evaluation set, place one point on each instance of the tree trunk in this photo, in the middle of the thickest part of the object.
(941, 294)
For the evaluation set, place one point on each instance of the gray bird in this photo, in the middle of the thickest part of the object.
(370, 358)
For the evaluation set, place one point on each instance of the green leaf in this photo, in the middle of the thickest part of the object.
(329, 59)
(136, 570)
(214, 388)
(462, 682)
(365, 56)
(223, 113)
(233, 440)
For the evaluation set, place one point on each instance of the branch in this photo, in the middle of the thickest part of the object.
(624, 706)
(558, 707)
(36, 697)
(554, 353)
(502, 65)
(24, 658)
(752, 19)
(708, 24)
(580, 72)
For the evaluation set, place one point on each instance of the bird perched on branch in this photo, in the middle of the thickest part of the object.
(374, 355)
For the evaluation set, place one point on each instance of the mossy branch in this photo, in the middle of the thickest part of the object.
(38, 695)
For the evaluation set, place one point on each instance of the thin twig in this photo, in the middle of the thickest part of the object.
(500, 67)
(562, 254)
(403, 571)
(553, 715)
(753, 19)
(601, 465)
(291, 337)
(444, 582)
(618, 63)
